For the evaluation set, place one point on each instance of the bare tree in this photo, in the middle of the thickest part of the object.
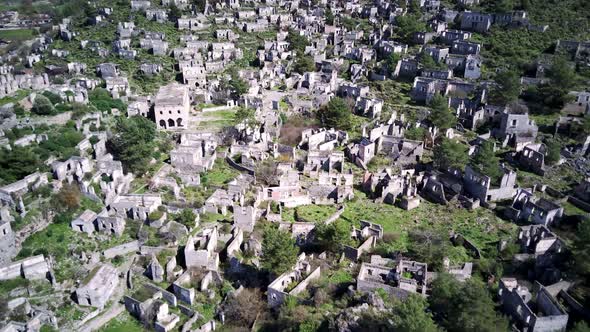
(242, 308)
(267, 173)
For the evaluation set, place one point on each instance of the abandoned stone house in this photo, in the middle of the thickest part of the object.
(404, 278)
(532, 158)
(96, 289)
(539, 240)
(200, 251)
(387, 187)
(324, 161)
(158, 15)
(85, 222)
(481, 187)
(31, 268)
(477, 22)
(449, 36)
(11, 194)
(220, 201)
(172, 106)
(367, 235)
(293, 282)
(541, 312)
(534, 210)
(136, 206)
(194, 153)
(459, 272)
(403, 152)
(516, 129)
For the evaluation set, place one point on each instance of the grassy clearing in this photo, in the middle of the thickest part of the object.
(562, 178)
(308, 213)
(481, 226)
(123, 323)
(16, 97)
(17, 34)
(219, 175)
(216, 120)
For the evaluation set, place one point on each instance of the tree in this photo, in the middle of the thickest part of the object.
(68, 197)
(441, 116)
(186, 217)
(450, 154)
(174, 14)
(553, 151)
(486, 162)
(102, 100)
(304, 63)
(329, 16)
(502, 6)
(555, 94)
(244, 114)
(581, 326)
(133, 142)
(464, 306)
(297, 42)
(267, 172)
(53, 98)
(507, 87)
(391, 61)
(407, 25)
(415, 133)
(581, 248)
(336, 114)
(42, 105)
(279, 252)
(561, 74)
(18, 163)
(236, 85)
(411, 316)
(332, 236)
(428, 62)
(242, 309)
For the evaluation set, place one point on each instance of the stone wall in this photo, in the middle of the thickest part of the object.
(184, 294)
(122, 249)
(305, 283)
(166, 295)
(235, 244)
(7, 243)
(355, 253)
(35, 267)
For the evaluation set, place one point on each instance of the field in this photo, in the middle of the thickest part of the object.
(17, 35)
(123, 323)
(214, 120)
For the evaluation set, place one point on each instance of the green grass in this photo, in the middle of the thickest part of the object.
(17, 35)
(480, 226)
(8, 285)
(16, 97)
(123, 323)
(308, 213)
(219, 175)
(341, 277)
(216, 120)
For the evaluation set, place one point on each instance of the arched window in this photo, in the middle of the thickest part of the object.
(170, 123)
(163, 123)
(179, 122)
